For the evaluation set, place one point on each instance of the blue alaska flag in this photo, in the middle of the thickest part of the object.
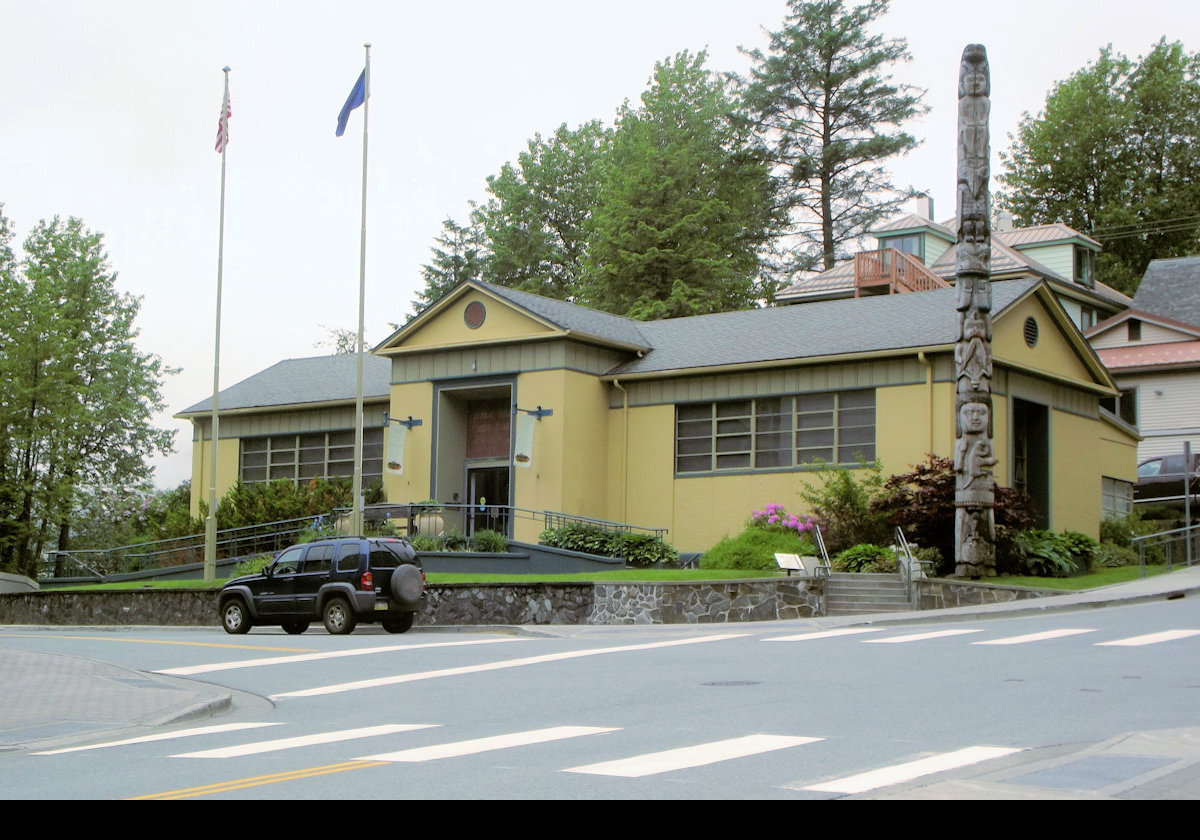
(357, 97)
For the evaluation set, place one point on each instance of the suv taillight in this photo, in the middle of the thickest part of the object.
(368, 583)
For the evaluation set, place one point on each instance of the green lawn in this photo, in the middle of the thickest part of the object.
(1103, 577)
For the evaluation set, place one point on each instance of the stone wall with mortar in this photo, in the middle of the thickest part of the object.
(940, 593)
(464, 604)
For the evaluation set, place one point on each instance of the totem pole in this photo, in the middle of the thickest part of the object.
(974, 495)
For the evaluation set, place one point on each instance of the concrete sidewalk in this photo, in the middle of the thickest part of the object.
(50, 699)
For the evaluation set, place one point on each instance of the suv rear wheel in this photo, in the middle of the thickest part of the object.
(401, 624)
(339, 618)
(234, 617)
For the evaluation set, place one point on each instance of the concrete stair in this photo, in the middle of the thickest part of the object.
(857, 594)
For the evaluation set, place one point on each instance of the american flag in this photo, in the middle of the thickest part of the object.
(223, 125)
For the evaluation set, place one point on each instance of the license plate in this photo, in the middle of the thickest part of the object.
(381, 606)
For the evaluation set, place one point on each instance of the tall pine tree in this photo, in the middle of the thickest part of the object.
(823, 104)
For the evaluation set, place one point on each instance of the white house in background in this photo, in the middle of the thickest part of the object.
(1155, 362)
(1153, 353)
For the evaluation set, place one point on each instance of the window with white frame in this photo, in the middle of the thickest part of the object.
(775, 432)
(1116, 498)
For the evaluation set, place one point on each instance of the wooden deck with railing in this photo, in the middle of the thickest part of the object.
(889, 272)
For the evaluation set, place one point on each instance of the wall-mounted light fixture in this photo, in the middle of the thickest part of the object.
(538, 412)
(408, 424)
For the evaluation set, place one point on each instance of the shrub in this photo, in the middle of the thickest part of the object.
(1109, 555)
(252, 565)
(776, 518)
(865, 557)
(921, 502)
(754, 549)
(637, 549)
(1047, 554)
(842, 504)
(489, 541)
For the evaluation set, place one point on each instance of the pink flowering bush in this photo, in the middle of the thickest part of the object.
(775, 518)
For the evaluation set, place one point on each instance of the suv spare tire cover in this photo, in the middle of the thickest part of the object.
(407, 583)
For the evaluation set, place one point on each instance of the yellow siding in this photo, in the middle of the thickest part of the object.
(709, 508)
(1053, 354)
(448, 328)
(415, 400)
(651, 463)
(228, 452)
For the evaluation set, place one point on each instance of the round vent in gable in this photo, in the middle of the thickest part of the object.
(474, 314)
(1031, 331)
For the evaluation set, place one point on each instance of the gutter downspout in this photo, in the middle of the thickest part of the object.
(624, 449)
(929, 393)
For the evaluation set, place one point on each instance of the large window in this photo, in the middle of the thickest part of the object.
(775, 432)
(311, 455)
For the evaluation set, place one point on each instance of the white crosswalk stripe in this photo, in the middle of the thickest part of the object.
(1151, 638)
(291, 659)
(824, 634)
(165, 736)
(305, 741)
(919, 637)
(496, 742)
(908, 771)
(1034, 637)
(695, 756)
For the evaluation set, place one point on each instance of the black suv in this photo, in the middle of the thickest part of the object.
(338, 581)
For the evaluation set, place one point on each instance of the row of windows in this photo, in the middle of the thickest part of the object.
(775, 432)
(311, 455)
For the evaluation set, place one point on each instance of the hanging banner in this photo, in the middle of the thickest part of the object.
(394, 462)
(523, 454)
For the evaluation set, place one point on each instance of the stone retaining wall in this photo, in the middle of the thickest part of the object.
(940, 593)
(464, 604)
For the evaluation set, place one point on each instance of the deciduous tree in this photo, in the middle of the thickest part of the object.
(78, 396)
(1115, 153)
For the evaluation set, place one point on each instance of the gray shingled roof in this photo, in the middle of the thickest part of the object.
(569, 316)
(811, 330)
(296, 381)
(1171, 288)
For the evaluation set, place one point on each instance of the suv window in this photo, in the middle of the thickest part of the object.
(288, 562)
(381, 558)
(348, 557)
(319, 558)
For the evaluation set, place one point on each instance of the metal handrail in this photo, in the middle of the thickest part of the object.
(1185, 541)
(825, 568)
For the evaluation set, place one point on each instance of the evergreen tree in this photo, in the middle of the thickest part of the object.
(825, 108)
(1115, 154)
(685, 204)
(459, 253)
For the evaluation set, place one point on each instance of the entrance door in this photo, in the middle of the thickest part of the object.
(487, 492)
(1031, 455)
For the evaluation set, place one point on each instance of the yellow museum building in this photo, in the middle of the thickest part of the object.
(503, 398)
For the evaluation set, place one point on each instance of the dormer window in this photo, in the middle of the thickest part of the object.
(1135, 329)
(913, 243)
(1085, 267)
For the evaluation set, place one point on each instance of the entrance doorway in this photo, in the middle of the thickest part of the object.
(1031, 455)
(487, 493)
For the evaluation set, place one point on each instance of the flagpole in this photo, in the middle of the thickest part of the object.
(210, 523)
(356, 517)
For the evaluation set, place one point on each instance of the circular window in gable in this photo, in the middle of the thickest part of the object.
(474, 314)
(1031, 331)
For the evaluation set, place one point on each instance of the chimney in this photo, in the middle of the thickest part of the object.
(923, 205)
(1004, 221)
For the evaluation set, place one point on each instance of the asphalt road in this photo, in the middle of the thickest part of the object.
(1089, 702)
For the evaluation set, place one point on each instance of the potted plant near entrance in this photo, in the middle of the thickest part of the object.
(428, 520)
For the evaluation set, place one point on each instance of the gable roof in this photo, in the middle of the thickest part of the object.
(877, 325)
(568, 318)
(1171, 287)
(292, 382)
(1151, 357)
(1189, 331)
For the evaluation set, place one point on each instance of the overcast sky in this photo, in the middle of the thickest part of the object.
(110, 114)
